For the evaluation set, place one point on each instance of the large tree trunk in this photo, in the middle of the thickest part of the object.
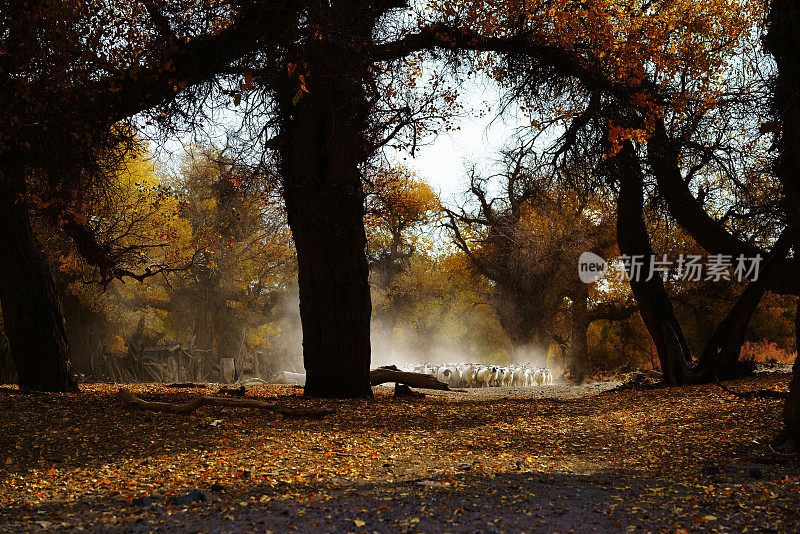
(720, 357)
(633, 239)
(322, 152)
(522, 319)
(530, 339)
(781, 41)
(204, 322)
(8, 375)
(791, 409)
(326, 217)
(535, 341)
(579, 364)
(32, 317)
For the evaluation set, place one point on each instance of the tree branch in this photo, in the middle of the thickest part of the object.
(198, 402)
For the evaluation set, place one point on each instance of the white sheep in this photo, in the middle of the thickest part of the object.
(518, 377)
(508, 376)
(483, 377)
(468, 376)
(548, 377)
(538, 376)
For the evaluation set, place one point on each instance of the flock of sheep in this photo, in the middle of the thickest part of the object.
(470, 375)
(460, 375)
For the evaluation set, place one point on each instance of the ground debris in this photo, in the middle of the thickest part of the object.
(673, 459)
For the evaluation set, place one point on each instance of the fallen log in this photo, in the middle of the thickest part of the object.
(381, 375)
(198, 402)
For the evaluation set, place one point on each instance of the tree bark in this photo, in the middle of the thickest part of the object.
(204, 322)
(8, 375)
(791, 408)
(322, 151)
(204, 326)
(32, 316)
(633, 239)
(720, 357)
(781, 42)
(522, 317)
(579, 364)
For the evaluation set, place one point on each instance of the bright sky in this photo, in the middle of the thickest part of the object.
(443, 162)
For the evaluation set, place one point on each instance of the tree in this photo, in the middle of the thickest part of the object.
(654, 304)
(71, 73)
(134, 219)
(243, 259)
(321, 86)
(323, 94)
(219, 238)
(672, 68)
(781, 42)
(527, 243)
(322, 97)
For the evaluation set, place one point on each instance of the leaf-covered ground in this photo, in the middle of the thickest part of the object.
(674, 460)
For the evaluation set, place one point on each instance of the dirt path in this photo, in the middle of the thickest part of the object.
(559, 390)
(551, 459)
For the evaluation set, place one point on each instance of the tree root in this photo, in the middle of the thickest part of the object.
(204, 400)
